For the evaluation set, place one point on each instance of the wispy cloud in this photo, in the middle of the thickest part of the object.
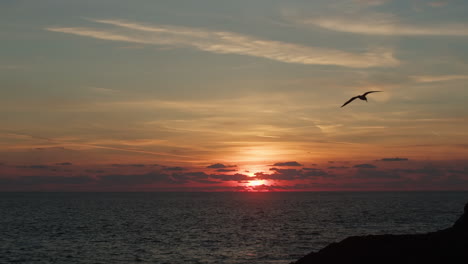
(372, 2)
(95, 146)
(438, 78)
(222, 42)
(11, 67)
(64, 164)
(365, 166)
(220, 166)
(102, 90)
(288, 163)
(385, 24)
(394, 159)
(438, 3)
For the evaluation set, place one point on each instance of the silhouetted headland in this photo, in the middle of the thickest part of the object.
(444, 246)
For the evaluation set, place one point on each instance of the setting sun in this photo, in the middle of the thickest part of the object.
(254, 183)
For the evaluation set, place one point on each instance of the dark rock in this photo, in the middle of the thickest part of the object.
(445, 246)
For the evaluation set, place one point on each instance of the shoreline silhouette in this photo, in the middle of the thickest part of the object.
(441, 246)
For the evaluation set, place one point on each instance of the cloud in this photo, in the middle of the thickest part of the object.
(94, 171)
(283, 174)
(65, 142)
(41, 180)
(438, 78)
(394, 159)
(365, 166)
(385, 25)
(427, 173)
(454, 180)
(314, 173)
(376, 174)
(338, 167)
(197, 174)
(40, 167)
(235, 177)
(367, 176)
(174, 169)
(149, 178)
(207, 181)
(223, 42)
(217, 166)
(126, 180)
(11, 67)
(291, 174)
(102, 90)
(51, 149)
(372, 2)
(310, 168)
(128, 165)
(222, 167)
(225, 170)
(438, 3)
(288, 163)
(64, 164)
(463, 171)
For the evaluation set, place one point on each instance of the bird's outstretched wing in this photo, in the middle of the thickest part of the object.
(370, 92)
(349, 101)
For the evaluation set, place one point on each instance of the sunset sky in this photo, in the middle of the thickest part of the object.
(223, 95)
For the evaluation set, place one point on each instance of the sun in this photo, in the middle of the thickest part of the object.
(254, 183)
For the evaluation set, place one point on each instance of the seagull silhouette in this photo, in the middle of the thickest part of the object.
(362, 97)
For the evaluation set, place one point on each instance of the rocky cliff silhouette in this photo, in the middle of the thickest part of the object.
(445, 246)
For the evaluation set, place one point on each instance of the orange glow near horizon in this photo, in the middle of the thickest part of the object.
(255, 183)
(252, 170)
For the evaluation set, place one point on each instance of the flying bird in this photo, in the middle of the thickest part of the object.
(362, 97)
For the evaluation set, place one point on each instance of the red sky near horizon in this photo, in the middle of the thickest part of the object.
(233, 95)
(386, 174)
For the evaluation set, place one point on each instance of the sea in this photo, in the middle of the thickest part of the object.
(264, 227)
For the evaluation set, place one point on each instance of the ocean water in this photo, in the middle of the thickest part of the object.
(206, 227)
